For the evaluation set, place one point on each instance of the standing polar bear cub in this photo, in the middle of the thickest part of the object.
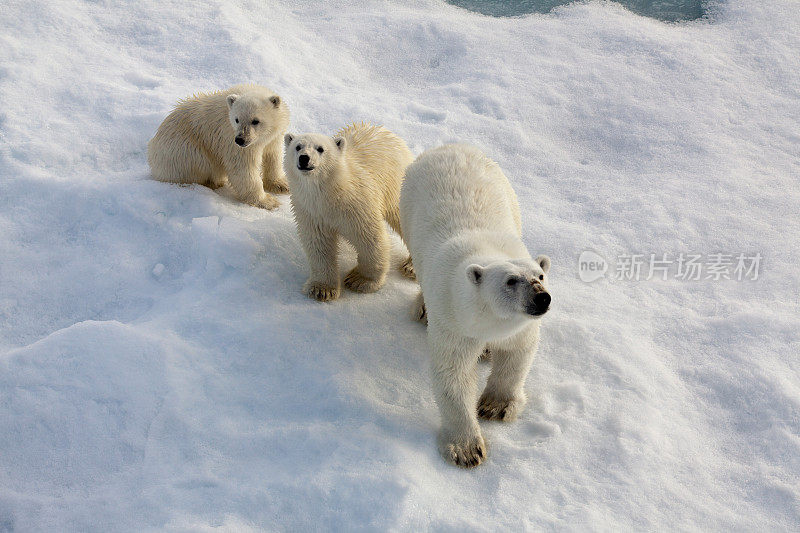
(480, 289)
(235, 134)
(346, 186)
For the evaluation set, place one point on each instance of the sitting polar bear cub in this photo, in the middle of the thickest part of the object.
(481, 289)
(235, 133)
(346, 185)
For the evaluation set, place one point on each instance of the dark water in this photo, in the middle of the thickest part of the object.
(666, 10)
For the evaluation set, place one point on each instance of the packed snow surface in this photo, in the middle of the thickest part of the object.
(161, 370)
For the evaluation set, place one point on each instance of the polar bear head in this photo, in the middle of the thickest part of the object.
(255, 117)
(312, 154)
(511, 290)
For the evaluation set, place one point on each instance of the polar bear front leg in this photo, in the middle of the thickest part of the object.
(454, 360)
(504, 396)
(273, 177)
(321, 246)
(245, 180)
(372, 244)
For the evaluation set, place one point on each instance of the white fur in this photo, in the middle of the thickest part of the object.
(351, 186)
(460, 219)
(196, 143)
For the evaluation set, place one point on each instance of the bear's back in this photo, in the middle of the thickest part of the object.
(202, 117)
(456, 188)
(378, 152)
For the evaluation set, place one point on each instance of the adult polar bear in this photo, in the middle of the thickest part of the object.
(460, 219)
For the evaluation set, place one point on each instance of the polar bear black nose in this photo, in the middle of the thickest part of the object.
(542, 300)
(303, 160)
(538, 304)
(240, 141)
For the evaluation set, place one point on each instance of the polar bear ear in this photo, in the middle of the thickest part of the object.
(231, 99)
(475, 274)
(340, 143)
(287, 139)
(276, 100)
(544, 262)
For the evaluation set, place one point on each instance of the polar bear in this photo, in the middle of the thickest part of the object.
(480, 289)
(346, 186)
(236, 133)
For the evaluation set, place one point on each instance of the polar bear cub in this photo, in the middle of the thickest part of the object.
(235, 134)
(480, 289)
(346, 186)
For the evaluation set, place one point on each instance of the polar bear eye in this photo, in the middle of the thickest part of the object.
(511, 282)
(320, 149)
(255, 122)
(237, 120)
(541, 276)
(298, 147)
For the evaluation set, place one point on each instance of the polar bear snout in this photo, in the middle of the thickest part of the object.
(303, 163)
(538, 301)
(244, 138)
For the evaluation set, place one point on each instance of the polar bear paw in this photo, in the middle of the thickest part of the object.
(277, 186)
(267, 202)
(407, 269)
(493, 408)
(320, 291)
(466, 453)
(358, 282)
(216, 183)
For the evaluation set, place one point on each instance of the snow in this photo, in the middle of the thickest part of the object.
(161, 370)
